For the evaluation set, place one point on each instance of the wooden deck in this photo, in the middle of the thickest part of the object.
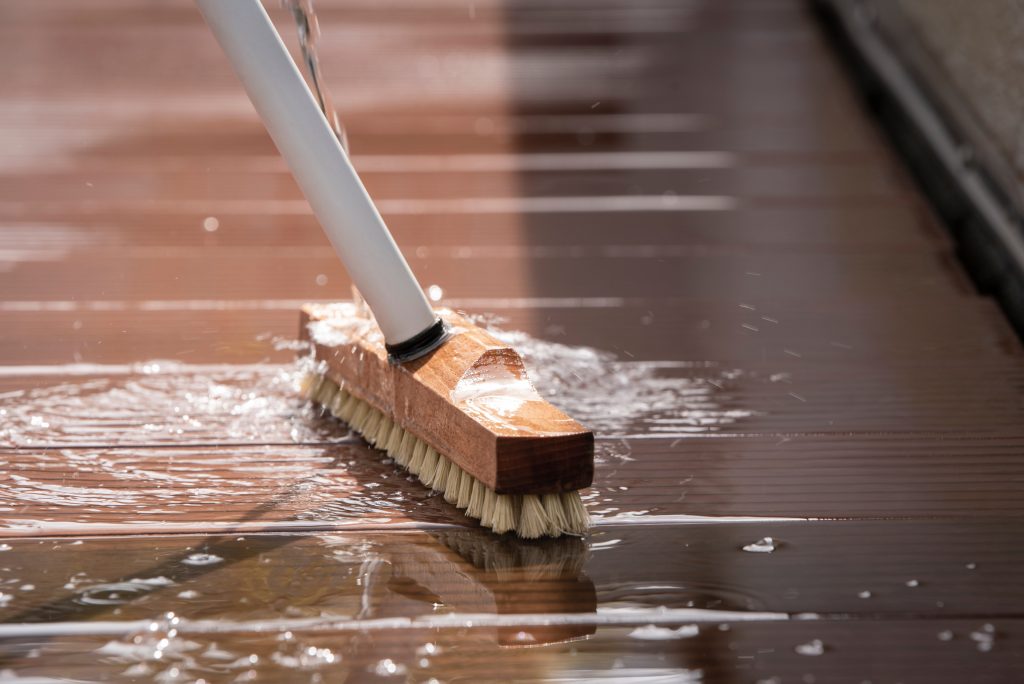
(705, 250)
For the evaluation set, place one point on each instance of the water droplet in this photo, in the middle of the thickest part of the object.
(971, 566)
(321, 279)
(388, 667)
(5, 547)
(866, 594)
(946, 635)
(763, 545)
(655, 633)
(188, 594)
(202, 559)
(211, 224)
(984, 637)
(435, 293)
(913, 583)
(815, 647)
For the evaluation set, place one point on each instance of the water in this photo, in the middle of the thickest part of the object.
(814, 647)
(311, 470)
(309, 35)
(984, 637)
(656, 633)
(161, 402)
(202, 559)
(612, 397)
(763, 545)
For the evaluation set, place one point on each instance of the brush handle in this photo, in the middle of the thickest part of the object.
(321, 168)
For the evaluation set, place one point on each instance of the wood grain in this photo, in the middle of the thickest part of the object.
(470, 399)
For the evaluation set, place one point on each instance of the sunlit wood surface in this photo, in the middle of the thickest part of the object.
(708, 253)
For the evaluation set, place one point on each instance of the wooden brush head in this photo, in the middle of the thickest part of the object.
(470, 399)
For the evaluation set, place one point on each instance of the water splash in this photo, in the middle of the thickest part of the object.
(625, 398)
(763, 545)
(984, 637)
(309, 35)
(118, 593)
(162, 402)
(656, 633)
(199, 559)
(814, 647)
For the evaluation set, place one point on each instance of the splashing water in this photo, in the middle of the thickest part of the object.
(763, 545)
(309, 35)
(814, 647)
(157, 404)
(656, 633)
(166, 403)
(198, 559)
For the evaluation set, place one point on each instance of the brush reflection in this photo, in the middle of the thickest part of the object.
(280, 578)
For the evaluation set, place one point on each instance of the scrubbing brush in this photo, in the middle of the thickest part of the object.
(445, 399)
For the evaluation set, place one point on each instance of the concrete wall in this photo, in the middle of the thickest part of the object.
(979, 46)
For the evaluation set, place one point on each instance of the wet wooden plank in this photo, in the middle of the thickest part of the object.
(254, 331)
(815, 184)
(745, 229)
(202, 275)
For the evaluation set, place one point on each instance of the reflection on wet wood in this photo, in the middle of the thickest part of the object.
(906, 568)
(676, 211)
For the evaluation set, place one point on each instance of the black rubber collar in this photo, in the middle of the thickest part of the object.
(420, 344)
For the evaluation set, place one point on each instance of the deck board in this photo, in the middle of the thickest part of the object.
(681, 215)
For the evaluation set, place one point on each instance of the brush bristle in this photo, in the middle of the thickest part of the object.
(529, 515)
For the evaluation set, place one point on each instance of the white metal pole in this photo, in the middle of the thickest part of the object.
(320, 166)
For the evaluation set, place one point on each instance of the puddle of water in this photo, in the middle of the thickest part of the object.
(167, 403)
(172, 403)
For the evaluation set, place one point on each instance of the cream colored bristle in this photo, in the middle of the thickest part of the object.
(415, 448)
(339, 400)
(577, 519)
(465, 490)
(407, 451)
(440, 478)
(347, 407)
(360, 414)
(373, 424)
(309, 384)
(475, 509)
(490, 501)
(451, 485)
(325, 392)
(555, 514)
(533, 520)
(430, 462)
(393, 440)
(504, 517)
